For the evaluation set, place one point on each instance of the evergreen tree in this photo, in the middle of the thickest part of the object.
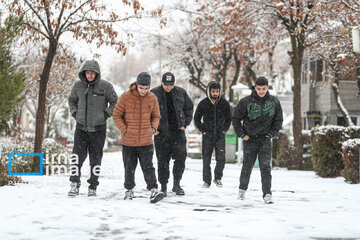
(12, 82)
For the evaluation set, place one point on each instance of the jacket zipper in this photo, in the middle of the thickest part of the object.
(86, 105)
(215, 119)
(140, 118)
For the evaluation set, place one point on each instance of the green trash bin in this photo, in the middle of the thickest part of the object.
(230, 147)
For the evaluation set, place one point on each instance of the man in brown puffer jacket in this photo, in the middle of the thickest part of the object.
(137, 116)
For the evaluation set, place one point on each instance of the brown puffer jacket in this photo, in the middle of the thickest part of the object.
(135, 116)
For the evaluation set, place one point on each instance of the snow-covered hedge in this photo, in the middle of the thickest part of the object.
(283, 151)
(351, 160)
(326, 148)
(26, 164)
(5, 179)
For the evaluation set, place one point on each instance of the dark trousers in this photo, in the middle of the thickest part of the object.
(254, 147)
(84, 142)
(209, 142)
(168, 147)
(144, 154)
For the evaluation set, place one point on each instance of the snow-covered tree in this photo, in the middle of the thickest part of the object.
(63, 74)
(334, 45)
(47, 21)
(298, 17)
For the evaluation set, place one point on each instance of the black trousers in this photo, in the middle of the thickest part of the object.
(254, 147)
(144, 154)
(209, 142)
(168, 147)
(84, 142)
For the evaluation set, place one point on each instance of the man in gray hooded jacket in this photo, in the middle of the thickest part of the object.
(91, 101)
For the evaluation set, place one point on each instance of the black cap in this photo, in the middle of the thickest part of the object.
(168, 79)
(143, 79)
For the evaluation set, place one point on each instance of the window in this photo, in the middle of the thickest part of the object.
(341, 120)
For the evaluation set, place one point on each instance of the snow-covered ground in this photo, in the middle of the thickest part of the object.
(306, 207)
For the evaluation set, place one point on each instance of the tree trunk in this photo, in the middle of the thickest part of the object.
(250, 75)
(40, 113)
(358, 79)
(271, 63)
(296, 61)
(223, 73)
(47, 122)
(235, 78)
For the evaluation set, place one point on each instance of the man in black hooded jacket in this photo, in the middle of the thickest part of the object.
(213, 119)
(176, 110)
(257, 118)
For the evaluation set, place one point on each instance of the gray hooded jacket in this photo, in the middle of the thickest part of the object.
(91, 103)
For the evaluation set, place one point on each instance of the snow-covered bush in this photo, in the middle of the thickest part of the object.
(5, 179)
(326, 148)
(283, 151)
(351, 160)
(26, 164)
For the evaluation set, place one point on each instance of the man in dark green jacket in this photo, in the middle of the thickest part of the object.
(257, 118)
(91, 101)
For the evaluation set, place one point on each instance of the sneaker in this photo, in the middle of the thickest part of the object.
(205, 185)
(74, 191)
(241, 194)
(91, 193)
(218, 183)
(268, 199)
(156, 196)
(129, 195)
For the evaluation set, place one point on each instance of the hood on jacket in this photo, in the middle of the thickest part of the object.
(208, 89)
(133, 89)
(90, 65)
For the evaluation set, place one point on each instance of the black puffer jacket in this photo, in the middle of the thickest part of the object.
(260, 116)
(91, 103)
(184, 108)
(213, 117)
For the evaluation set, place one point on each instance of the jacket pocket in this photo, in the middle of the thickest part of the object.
(180, 103)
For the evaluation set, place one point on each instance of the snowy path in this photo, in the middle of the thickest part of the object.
(306, 207)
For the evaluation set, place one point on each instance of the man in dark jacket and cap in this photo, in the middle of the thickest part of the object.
(213, 119)
(257, 118)
(91, 102)
(176, 110)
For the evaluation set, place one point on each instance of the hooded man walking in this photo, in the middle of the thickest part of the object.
(261, 116)
(176, 110)
(91, 102)
(137, 117)
(213, 119)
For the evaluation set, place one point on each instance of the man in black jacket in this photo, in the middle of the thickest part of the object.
(91, 102)
(176, 110)
(261, 117)
(213, 119)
